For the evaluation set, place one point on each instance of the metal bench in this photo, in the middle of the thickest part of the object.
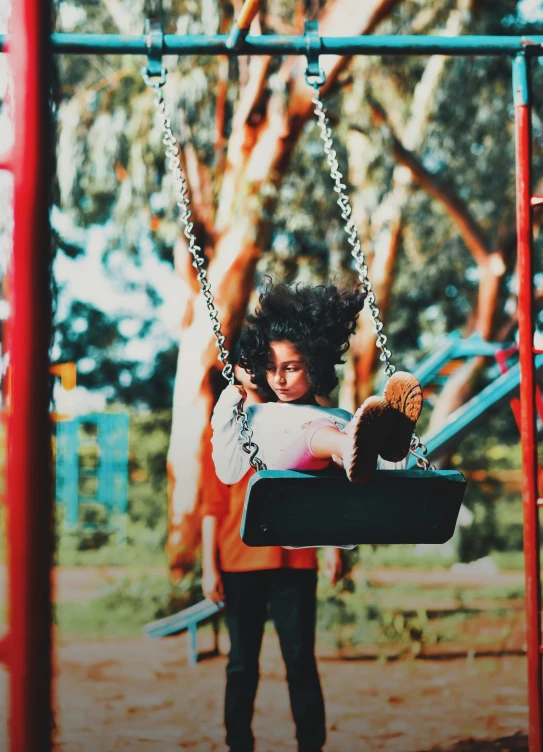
(188, 619)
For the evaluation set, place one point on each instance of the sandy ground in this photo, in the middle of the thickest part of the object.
(81, 583)
(141, 695)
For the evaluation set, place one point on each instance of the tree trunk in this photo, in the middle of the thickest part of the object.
(259, 151)
(385, 231)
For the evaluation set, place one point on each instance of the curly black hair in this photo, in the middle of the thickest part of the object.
(317, 320)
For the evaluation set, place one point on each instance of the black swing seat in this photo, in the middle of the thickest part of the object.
(291, 508)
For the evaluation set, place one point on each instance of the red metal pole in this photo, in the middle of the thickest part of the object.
(29, 489)
(523, 139)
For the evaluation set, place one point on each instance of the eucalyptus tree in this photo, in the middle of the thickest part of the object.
(427, 149)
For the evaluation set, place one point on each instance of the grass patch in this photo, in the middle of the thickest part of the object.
(124, 606)
(461, 594)
(365, 615)
(509, 560)
(143, 548)
(403, 556)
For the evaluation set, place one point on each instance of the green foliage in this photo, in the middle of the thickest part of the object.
(496, 505)
(352, 612)
(370, 615)
(127, 603)
(347, 618)
(124, 607)
(147, 494)
(142, 548)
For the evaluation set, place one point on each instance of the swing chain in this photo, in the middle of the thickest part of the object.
(422, 460)
(183, 203)
(344, 204)
(360, 262)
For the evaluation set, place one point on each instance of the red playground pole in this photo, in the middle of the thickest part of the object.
(523, 138)
(29, 481)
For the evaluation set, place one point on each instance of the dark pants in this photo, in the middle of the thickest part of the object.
(292, 595)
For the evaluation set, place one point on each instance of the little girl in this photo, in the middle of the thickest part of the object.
(291, 346)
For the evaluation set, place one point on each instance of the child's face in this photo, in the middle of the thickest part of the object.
(286, 373)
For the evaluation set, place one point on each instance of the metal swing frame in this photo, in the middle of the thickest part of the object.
(27, 648)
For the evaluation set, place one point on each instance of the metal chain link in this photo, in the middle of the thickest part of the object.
(183, 203)
(357, 253)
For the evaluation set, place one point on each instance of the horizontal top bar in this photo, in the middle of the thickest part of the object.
(269, 44)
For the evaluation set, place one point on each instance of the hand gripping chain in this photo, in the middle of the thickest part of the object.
(183, 203)
(357, 253)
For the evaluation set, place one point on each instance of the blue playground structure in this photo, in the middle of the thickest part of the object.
(502, 389)
(188, 619)
(110, 441)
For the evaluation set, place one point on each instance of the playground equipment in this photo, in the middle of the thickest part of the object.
(103, 481)
(502, 357)
(108, 476)
(502, 389)
(463, 420)
(382, 491)
(293, 509)
(27, 648)
(189, 619)
(67, 372)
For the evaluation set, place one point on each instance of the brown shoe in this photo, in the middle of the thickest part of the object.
(363, 436)
(403, 392)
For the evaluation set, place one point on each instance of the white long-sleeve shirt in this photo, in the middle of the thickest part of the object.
(274, 425)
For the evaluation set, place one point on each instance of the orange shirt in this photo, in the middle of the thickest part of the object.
(226, 503)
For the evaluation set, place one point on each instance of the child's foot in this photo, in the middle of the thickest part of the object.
(364, 436)
(403, 392)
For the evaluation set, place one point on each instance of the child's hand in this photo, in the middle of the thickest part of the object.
(241, 390)
(233, 394)
(333, 565)
(212, 585)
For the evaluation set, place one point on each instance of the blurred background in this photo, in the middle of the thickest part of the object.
(425, 145)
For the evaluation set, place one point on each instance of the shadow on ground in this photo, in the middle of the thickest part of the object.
(516, 743)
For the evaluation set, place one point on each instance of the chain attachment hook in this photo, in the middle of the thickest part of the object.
(314, 74)
(154, 73)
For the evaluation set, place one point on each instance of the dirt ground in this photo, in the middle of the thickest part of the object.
(141, 695)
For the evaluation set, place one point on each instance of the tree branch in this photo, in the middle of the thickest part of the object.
(276, 126)
(122, 16)
(220, 104)
(468, 228)
(490, 262)
(363, 19)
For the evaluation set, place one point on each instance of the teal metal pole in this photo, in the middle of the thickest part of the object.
(269, 44)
